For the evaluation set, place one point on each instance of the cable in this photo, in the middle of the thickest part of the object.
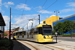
(51, 4)
(44, 3)
(24, 7)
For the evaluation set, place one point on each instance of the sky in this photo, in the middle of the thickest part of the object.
(22, 10)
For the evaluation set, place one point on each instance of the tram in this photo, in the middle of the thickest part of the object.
(41, 33)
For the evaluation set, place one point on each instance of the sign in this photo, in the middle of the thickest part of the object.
(46, 26)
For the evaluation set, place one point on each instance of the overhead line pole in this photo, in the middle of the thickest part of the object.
(10, 26)
(39, 18)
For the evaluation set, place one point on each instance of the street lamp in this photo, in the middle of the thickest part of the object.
(57, 25)
(56, 36)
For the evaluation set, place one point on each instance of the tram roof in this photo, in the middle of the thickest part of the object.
(40, 25)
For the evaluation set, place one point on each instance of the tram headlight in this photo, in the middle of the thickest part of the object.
(44, 37)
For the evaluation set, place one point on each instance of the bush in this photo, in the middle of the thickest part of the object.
(5, 34)
(6, 44)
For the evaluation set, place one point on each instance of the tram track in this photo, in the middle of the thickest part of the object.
(43, 45)
(29, 45)
(54, 47)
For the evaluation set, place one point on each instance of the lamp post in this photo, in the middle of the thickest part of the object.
(56, 36)
(57, 25)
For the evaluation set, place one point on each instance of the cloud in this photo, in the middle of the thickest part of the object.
(39, 7)
(72, 4)
(10, 3)
(23, 6)
(67, 10)
(41, 22)
(44, 11)
(63, 16)
(6, 4)
(6, 19)
(25, 21)
(0, 2)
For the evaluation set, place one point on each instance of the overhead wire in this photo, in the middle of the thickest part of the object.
(24, 7)
(43, 5)
(50, 5)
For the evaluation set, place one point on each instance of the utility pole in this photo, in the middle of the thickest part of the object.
(10, 26)
(39, 18)
(32, 22)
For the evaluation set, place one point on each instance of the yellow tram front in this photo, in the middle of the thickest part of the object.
(44, 33)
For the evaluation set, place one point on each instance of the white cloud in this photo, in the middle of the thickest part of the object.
(6, 19)
(6, 4)
(23, 6)
(39, 7)
(23, 20)
(41, 22)
(67, 10)
(63, 16)
(71, 4)
(10, 3)
(0, 2)
(44, 11)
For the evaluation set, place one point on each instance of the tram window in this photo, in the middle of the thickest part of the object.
(40, 30)
(22, 35)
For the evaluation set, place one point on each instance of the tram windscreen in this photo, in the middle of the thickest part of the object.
(47, 30)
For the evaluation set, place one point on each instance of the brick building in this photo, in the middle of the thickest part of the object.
(8, 34)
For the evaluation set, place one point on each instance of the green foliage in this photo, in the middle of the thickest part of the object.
(5, 34)
(6, 44)
(63, 27)
(68, 34)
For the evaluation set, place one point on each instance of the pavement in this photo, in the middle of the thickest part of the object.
(62, 41)
(19, 46)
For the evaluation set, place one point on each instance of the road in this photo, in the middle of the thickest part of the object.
(65, 38)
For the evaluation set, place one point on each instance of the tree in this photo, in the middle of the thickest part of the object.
(58, 27)
(5, 34)
(63, 27)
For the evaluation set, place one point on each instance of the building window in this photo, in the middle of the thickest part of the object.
(1, 28)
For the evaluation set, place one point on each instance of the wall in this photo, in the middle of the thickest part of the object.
(70, 18)
(8, 34)
(50, 20)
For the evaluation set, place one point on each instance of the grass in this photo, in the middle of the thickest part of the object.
(67, 34)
